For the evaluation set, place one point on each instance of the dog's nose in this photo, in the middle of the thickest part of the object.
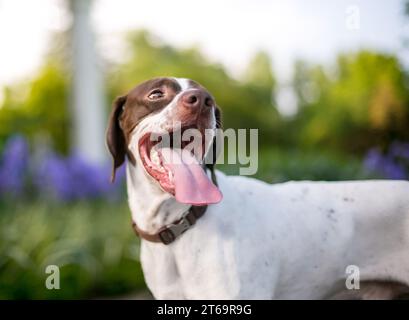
(196, 98)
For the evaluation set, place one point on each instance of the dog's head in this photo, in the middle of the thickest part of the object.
(166, 127)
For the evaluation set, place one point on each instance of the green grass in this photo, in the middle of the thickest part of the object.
(92, 243)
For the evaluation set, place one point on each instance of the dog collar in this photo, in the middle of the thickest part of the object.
(171, 232)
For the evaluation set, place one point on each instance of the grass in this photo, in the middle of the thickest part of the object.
(92, 243)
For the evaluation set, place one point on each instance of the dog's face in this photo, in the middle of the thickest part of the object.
(145, 124)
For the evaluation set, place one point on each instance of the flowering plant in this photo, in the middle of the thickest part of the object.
(394, 164)
(53, 176)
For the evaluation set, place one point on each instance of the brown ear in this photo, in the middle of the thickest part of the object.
(115, 138)
(216, 148)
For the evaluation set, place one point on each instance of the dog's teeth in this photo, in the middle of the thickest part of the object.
(170, 174)
(155, 157)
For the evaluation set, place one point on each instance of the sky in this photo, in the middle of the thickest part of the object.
(228, 31)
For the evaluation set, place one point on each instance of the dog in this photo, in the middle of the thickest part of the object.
(205, 235)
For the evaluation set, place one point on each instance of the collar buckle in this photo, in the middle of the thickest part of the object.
(174, 230)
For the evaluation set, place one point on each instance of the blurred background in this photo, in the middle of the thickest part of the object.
(326, 83)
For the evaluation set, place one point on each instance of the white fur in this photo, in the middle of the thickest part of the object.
(183, 82)
(289, 240)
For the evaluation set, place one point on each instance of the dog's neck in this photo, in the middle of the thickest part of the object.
(151, 207)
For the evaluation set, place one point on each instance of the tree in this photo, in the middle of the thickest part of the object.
(259, 71)
(362, 102)
(37, 108)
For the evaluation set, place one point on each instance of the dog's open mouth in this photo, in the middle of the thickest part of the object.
(176, 165)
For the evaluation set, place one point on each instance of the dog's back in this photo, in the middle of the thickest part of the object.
(317, 229)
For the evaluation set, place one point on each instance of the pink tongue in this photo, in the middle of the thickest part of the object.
(192, 185)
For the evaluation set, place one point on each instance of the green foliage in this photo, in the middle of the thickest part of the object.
(38, 108)
(279, 165)
(260, 78)
(364, 102)
(92, 243)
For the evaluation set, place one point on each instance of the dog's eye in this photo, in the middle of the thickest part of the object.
(156, 94)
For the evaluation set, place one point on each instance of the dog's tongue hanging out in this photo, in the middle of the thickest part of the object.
(192, 185)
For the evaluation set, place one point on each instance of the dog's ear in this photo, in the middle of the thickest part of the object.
(215, 147)
(115, 138)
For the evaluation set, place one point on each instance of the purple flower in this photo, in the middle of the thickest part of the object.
(373, 160)
(73, 178)
(56, 177)
(53, 178)
(14, 166)
(400, 150)
(393, 165)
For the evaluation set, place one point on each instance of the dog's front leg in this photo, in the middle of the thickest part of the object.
(161, 274)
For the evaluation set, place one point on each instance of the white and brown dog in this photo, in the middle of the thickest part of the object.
(253, 240)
